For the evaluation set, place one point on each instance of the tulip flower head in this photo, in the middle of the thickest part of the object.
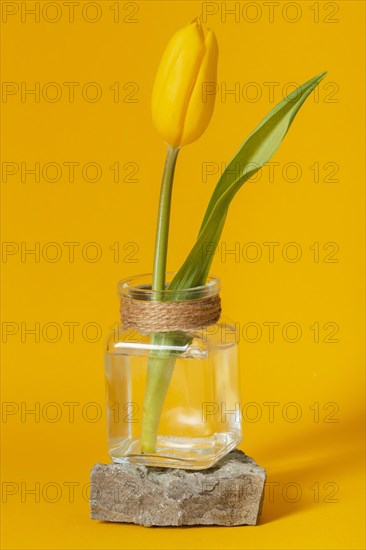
(181, 109)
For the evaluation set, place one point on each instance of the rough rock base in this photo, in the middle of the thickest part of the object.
(229, 493)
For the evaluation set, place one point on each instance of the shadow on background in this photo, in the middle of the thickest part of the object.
(307, 469)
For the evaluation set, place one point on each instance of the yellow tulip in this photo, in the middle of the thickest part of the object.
(181, 110)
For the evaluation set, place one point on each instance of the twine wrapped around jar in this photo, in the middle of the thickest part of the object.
(155, 316)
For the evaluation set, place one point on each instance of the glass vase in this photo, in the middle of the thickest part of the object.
(172, 396)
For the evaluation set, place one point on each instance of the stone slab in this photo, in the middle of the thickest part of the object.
(229, 493)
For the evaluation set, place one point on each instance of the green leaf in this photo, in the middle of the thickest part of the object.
(254, 152)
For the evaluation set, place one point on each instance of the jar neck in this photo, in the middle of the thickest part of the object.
(139, 288)
(169, 310)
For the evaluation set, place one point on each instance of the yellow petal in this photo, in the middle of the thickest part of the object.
(174, 82)
(201, 104)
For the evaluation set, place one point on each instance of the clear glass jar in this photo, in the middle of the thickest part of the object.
(183, 385)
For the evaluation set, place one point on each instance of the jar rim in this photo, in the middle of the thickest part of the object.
(143, 290)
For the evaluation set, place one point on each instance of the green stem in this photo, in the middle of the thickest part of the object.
(162, 228)
(160, 364)
(159, 373)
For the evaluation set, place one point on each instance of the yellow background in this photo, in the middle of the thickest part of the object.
(311, 454)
